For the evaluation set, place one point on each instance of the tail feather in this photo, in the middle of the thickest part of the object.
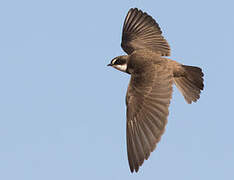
(190, 83)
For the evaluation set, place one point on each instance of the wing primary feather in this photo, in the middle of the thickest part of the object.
(132, 154)
(139, 146)
(131, 17)
(127, 18)
(144, 141)
(134, 22)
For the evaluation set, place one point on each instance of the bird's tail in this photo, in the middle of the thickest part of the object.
(191, 83)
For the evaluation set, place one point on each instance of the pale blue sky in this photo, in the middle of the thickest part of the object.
(62, 111)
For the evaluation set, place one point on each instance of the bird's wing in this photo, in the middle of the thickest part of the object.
(148, 98)
(140, 31)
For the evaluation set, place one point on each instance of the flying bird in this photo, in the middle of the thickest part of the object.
(150, 88)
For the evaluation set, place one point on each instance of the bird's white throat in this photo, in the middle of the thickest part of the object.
(122, 67)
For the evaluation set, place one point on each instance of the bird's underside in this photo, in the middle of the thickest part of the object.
(148, 98)
(150, 88)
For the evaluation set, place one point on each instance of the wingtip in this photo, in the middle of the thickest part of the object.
(134, 9)
(134, 170)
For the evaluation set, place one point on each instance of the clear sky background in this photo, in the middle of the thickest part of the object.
(62, 111)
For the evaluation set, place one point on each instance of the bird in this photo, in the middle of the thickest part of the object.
(151, 84)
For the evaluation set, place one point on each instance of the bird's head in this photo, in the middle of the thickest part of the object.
(119, 63)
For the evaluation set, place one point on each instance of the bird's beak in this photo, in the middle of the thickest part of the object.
(109, 64)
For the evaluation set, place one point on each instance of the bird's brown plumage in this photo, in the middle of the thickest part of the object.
(150, 88)
(148, 97)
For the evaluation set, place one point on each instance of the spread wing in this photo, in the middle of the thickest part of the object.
(140, 31)
(147, 101)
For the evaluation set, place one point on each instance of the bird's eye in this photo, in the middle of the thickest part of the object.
(117, 62)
